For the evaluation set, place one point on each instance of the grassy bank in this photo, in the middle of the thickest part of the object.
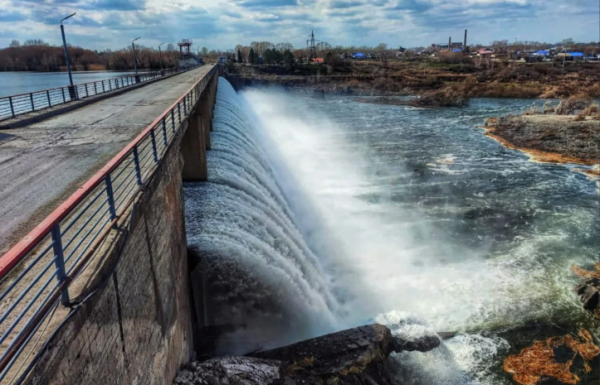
(505, 80)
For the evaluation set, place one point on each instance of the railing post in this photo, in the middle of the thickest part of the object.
(31, 98)
(164, 125)
(48, 96)
(179, 111)
(63, 94)
(59, 261)
(86, 91)
(95, 89)
(136, 160)
(111, 197)
(12, 108)
(173, 120)
(184, 106)
(154, 145)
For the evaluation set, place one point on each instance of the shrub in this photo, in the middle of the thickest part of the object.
(573, 104)
(593, 110)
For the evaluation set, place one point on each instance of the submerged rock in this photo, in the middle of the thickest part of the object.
(589, 289)
(356, 356)
(230, 371)
(566, 359)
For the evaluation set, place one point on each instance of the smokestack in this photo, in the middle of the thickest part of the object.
(450, 43)
(465, 43)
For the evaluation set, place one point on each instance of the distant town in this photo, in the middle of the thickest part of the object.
(38, 55)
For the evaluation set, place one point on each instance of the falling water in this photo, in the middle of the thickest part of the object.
(241, 219)
(302, 232)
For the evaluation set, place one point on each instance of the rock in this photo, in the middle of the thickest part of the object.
(230, 371)
(589, 297)
(420, 344)
(410, 332)
(356, 356)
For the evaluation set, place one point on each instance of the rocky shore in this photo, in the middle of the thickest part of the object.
(549, 138)
(419, 77)
(358, 356)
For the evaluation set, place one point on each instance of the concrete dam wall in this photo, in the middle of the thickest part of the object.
(135, 326)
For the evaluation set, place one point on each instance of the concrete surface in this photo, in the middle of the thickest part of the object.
(46, 162)
(33, 117)
(137, 329)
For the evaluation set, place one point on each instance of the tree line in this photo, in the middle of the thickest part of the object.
(37, 55)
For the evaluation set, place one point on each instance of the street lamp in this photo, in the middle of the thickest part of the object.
(62, 31)
(134, 60)
(160, 58)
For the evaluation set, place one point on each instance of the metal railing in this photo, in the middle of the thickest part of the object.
(36, 273)
(15, 105)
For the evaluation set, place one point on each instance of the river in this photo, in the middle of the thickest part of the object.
(14, 83)
(327, 213)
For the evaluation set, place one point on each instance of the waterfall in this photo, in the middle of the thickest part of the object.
(279, 263)
(267, 281)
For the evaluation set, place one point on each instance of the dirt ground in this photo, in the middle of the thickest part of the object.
(549, 138)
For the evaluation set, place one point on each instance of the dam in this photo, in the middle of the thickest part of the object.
(299, 220)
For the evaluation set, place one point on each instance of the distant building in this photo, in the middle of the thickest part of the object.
(484, 52)
(186, 57)
(455, 45)
(318, 60)
(359, 55)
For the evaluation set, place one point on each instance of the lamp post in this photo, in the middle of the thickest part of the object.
(137, 78)
(160, 58)
(72, 93)
(134, 59)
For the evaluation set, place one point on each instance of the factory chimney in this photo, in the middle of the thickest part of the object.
(450, 43)
(465, 43)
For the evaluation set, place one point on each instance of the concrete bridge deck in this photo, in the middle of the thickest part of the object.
(42, 164)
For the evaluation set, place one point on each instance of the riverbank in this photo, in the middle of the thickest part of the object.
(393, 78)
(550, 138)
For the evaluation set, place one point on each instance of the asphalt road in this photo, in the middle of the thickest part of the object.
(43, 164)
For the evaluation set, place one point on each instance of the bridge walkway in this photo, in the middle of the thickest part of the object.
(43, 164)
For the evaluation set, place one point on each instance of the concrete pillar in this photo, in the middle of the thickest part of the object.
(204, 105)
(193, 149)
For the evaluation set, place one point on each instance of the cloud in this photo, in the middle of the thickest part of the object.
(117, 5)
(345, 4)
(266, 3)
(411, 6)
(11, 17)
(102, 24)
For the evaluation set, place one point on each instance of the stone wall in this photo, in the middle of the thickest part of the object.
(136, 329)
(136, 326)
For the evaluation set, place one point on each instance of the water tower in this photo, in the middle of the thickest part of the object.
(187, 58)
(184, 48)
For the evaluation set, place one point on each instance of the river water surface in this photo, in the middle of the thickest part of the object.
(14, 83)
(348, 213)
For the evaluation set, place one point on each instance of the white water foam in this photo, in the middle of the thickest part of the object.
(284, 202)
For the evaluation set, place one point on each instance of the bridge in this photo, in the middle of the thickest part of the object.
(94, 277)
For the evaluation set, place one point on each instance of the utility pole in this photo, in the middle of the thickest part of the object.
(72, 92)
(313, 49)
(160, 59)
(134, 59)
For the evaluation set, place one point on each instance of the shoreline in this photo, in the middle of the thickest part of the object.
(538, 156)
(401, 78)
(537, 134)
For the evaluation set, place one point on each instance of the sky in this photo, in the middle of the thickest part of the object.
(222, 24)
